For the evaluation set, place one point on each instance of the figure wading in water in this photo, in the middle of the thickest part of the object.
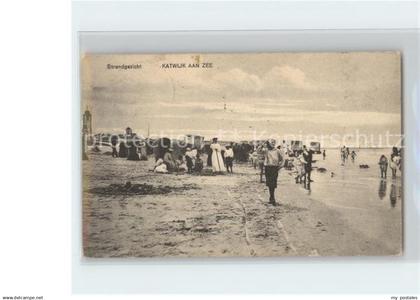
(383, 165)
(395, 162)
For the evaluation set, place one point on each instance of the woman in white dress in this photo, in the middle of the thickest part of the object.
(216, 157)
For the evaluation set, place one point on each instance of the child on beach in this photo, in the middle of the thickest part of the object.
(198, 164)
(181, 165)
(395, 161)
(300, 167)
(383, 165)
(254, 159)
(353, 155)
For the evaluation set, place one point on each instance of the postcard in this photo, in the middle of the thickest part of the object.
(241, 154)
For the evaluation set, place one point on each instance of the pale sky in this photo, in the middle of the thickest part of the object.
(271, 94)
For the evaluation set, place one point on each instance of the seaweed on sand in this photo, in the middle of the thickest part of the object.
(139, 189)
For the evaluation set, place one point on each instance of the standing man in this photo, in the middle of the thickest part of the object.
(273, 161)
(307, 156)
(353, 155)
(383, 165)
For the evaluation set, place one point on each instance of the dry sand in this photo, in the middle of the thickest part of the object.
(223, 215)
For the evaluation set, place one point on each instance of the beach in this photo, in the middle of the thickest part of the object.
(129, 211)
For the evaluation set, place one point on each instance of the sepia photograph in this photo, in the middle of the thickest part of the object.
(230, 149)
(241, 154)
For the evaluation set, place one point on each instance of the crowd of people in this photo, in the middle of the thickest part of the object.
(128, 147)
(268, 159)
(394, 163)
(264, 156)
(219, 158)
(345, 154)
(191, 162)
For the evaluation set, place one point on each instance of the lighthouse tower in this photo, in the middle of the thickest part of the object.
(86, 132)
(87, 122)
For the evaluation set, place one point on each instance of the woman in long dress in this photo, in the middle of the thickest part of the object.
(216, 157)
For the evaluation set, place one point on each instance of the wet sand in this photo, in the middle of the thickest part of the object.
(228, 215)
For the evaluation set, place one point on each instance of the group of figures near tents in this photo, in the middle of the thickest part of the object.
(265, 156)
(219, 158)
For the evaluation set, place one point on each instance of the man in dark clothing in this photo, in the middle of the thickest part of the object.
(307, 155)
(273, 161)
